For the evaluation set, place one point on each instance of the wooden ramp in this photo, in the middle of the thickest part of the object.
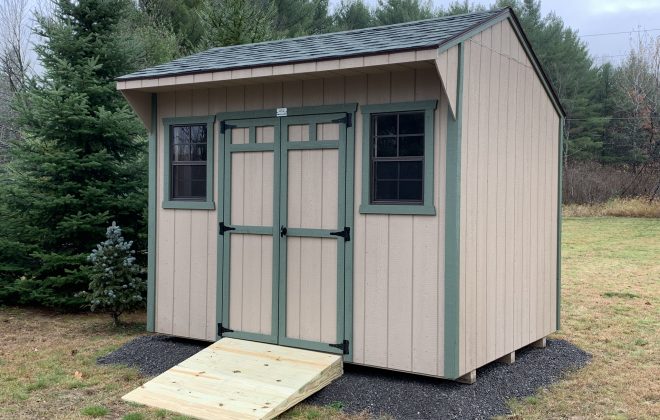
(238, 379)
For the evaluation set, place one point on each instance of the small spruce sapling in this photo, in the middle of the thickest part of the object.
(117, 283)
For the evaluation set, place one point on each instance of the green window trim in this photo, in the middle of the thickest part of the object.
(427, 207)
(208, 203)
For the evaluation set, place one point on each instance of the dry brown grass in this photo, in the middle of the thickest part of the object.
(611, 308)
(618, 207)
(40, 353)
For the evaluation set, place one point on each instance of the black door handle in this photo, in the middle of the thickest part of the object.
(282, 231)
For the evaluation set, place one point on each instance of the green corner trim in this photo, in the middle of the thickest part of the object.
(427, 208)
(453, 230)
(151, 227)
(559, 219)
(208, 203)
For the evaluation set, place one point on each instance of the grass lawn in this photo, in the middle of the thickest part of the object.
(611, 308)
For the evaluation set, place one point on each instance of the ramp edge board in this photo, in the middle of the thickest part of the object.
(239, 379)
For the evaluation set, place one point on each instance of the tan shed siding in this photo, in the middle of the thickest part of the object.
(186, 241)
(398, 285)
(399, 260)
(508, 201)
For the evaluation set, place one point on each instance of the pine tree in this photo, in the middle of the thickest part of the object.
(117, 283)
(233, 22)
(81, 164)
(302, 17)
(352, 14)
(390, 12)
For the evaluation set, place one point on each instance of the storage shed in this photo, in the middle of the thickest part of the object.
(390, 194)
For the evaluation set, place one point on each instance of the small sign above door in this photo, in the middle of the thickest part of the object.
(281, 112)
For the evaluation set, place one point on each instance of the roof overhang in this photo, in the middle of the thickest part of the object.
(362, 64)
(302, 70)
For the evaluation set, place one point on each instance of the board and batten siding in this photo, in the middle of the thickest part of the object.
(508, 222)
(398, 275)
(398, 279)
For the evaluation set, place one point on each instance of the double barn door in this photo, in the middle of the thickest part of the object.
(284, 232)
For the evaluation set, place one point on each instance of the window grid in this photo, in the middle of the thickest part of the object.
(183, 166)
(375, 159)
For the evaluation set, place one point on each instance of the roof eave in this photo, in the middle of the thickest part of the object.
(508, 13)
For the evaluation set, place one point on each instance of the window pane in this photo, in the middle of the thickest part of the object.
(411, 146)
(188, 181)
(386, 170)
(385, 190)
(198, 152)
(411, 170)
(386, 147)
(198, 134)
(411, 123)
(180, 135)
(180, 153)
(410, 190)
(385, 124)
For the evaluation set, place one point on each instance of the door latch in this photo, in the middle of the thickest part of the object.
(283, 231)
(222, 228)
(346, 233)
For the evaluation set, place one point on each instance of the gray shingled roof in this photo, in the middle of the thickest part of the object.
(405, 36)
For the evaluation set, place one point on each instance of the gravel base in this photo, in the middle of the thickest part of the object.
(398, 395)
(153, 354)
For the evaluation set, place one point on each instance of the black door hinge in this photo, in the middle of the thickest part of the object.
(224, 126)
(346, 233)
(343, 346)
(222, 228)
(222, 330)
(283, 231)
(348, 120)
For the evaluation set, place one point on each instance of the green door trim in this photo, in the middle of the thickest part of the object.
(317, 233)
(347, 165)
(348, 108)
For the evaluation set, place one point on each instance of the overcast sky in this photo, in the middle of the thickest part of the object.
(591, 17)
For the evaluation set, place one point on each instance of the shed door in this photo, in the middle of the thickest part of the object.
(249, 229)
(312, 219)
(283, 235)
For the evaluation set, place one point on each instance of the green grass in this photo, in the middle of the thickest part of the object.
(94, 411)
(610, 308)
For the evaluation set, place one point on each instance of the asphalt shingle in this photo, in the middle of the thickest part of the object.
(405, 36)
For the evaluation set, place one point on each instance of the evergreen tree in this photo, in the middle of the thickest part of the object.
(117, 283)
(390, 12)
(352, 14)
(302, 17)
(232, 22)
(182, 17)
(80, 165)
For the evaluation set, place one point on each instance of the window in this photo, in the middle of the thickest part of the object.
(398, 158)
(188, 161)
(189, 158)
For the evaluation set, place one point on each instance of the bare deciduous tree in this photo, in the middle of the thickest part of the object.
(15, 63)
(639, 85)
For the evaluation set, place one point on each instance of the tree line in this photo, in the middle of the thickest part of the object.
(72, 153)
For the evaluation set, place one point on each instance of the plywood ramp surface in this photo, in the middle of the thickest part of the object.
(238, 379)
